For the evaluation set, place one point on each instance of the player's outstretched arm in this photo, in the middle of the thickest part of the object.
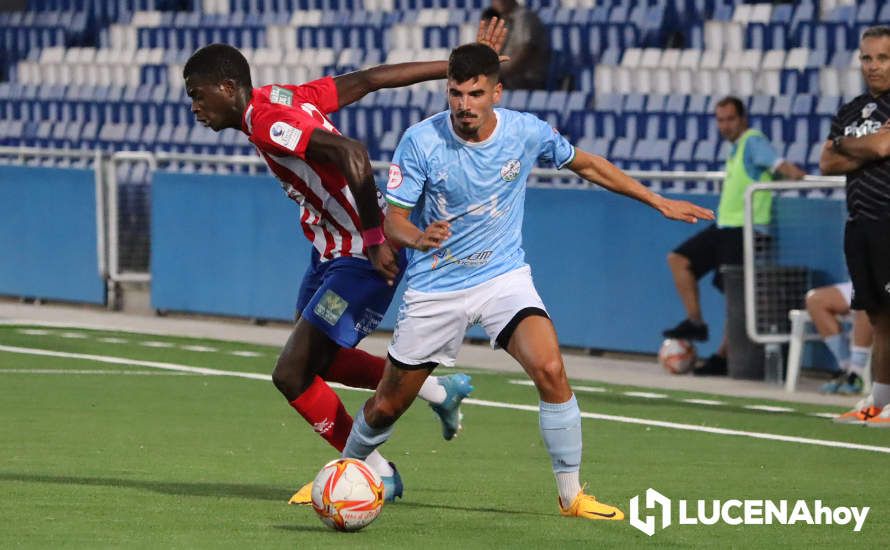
(353, 86)
(351, 157)
(600, 171)
(401, 231)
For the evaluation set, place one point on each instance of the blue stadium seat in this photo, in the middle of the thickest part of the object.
(759, 109)
(802, 105)
(705, 151)
(797, 152)
(781, 14)
(827, 106)
(622, 149)
(682, 155)
(813, 158)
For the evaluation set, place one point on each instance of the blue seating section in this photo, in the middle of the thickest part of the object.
(635, 130)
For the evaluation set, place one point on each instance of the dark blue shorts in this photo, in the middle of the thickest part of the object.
(345, 298)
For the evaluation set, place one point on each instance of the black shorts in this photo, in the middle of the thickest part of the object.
(867, 249)
(710, 248)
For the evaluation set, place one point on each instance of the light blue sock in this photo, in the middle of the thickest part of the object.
(835, 344)
(859, 357)
(363, 439)
(561, 431)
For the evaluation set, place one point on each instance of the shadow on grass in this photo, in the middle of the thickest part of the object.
(472, 509)
(309, 529)
(206, 489)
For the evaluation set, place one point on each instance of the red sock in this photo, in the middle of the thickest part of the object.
(355, 368)
(322, 409)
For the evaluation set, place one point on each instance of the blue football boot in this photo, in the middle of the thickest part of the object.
(457, 387)
(392, 485)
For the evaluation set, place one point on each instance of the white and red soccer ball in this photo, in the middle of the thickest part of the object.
(677, 356)
(347, 494)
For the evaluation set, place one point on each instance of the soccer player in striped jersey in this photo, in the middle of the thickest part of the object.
(354, 270)
(456, 194)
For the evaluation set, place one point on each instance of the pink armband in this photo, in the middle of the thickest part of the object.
(373, 236)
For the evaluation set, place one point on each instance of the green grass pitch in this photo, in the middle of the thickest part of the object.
(96, 455)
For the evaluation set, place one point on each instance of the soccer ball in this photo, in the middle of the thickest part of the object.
(347, 494)
(677, 356)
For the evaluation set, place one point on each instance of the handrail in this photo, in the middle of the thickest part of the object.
(810, 182)
(23, 152)
(114, 272)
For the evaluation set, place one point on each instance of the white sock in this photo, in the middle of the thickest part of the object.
(859, 356)
(881, 394)
(381, 465)
(569, 486)
(432, 391)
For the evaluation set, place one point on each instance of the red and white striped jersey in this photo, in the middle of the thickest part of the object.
(280, 120)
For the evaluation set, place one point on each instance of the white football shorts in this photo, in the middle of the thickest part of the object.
(847, 290)
(431, 325)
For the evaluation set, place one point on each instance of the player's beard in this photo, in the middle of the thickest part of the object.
(469, 126)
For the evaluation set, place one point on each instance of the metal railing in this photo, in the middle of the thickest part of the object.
(21, 154)
(115, 273)
(108, 221)
(753, 268)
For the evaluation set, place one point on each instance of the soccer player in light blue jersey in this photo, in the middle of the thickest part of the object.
(456, 191)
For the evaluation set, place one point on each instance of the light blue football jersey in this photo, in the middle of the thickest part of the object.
(478, 187)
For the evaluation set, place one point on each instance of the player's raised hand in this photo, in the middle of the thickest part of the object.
(435, 234)
(383, 258)
(493, 33)
(684, 211)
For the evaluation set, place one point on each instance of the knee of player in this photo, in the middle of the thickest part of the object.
(383, 411)
(813, 300)
(550, 371)
(279, 375)
(286, 375)
(676, 260)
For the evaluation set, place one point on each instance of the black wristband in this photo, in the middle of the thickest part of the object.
(836, 142)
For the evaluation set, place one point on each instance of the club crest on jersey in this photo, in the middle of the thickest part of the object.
(285, 135)
(510, 170)
(331, 307)
(395, 177)
(869, 109)
(281, 96)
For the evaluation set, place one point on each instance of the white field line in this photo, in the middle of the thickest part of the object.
(709, 402)
(116, 372)
(154, 344)
(111, 340)
(645, 394)
(33, 331)
(589, 389)
(246, 353)
(769, 408)
(469, 401)
(203, 349)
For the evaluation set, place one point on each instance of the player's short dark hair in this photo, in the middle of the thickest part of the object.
(490, 13)
(472, 60)
(218, 62)
(877, 31)
(735, 102)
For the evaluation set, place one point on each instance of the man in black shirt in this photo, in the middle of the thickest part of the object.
(859, 147)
